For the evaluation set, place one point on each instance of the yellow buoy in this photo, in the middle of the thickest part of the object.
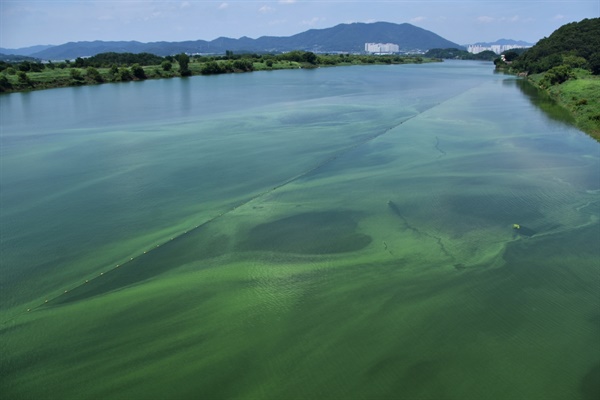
(516, 226)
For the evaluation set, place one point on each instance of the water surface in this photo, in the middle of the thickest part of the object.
(332, 233)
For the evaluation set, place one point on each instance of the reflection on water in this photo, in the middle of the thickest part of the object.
(542, 100)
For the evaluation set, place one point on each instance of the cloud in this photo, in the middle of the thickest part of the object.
(287, 1)
(558, 17)
(223, 6)
(313, 21)
(485, 19)
(265, 10)
(417, 19)
(185, 4)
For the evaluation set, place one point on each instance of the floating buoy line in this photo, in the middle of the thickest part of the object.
(318, 166)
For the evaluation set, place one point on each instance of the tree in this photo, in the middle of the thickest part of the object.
(23, 78)
(138, 71)
(124, 74)
(93, 75)
(166, 65)
(4, 83)
(511, 55)
(594, 63)
(211, 67)
(184, 61)
(76, 75)
(309, 57)
(37, 67)
(25, 66)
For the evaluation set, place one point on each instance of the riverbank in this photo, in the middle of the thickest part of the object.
(580, 96)
(67, 75)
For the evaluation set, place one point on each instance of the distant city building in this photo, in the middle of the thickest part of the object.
(381, 48)
(496, 48)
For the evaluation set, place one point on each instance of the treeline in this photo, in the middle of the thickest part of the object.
(566, 65)
(107, 60)
(121, 67)
(574, 45)
(457, 54)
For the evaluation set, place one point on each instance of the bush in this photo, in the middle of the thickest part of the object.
(93, 75)
(124, 74)
(76, 75)
(138, 71)
(557, 75)
(23, 78)
(4, 83)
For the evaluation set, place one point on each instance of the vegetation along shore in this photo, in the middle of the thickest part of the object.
(123, 67)
(567, 66)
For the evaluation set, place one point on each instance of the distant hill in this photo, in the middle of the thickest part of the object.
(576, 43)
(504, 42)
(457, 54)
(15, 58)
(25, 51)
(342, 38)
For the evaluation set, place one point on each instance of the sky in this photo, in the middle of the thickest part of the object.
(26, 23)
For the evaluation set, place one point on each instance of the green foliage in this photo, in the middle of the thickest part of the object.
(574, 41)
(574, 61)
(4, 84)
(556, 75)
(79, 63)
(121, 59)
(511, 55)
(138, 71)
(60, 75)
(76, 76)
(124, 74)
(184, 62)
(93, 75)
(211, 68)
(594, 63)
(24, 78)
(243, 66)
(458, 54)
(25, 66)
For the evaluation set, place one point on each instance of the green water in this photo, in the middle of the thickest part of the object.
(342, 233)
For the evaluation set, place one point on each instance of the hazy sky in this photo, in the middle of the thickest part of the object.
(26, 23)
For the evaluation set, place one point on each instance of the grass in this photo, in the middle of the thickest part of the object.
(580, 96)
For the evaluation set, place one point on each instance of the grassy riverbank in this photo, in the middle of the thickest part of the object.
(580, 96)
(14, 79)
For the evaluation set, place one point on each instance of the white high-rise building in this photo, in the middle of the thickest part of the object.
(382, 48)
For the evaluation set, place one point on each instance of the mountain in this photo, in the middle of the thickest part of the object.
(343, 38)
(25, 51)
(504, 42)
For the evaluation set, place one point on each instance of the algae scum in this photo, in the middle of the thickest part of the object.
(349, 233)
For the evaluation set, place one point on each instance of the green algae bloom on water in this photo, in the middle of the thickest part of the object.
(361, 233)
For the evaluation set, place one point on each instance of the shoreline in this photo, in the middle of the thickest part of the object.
(17, 82)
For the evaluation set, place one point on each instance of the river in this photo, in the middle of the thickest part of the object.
(368, 232)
